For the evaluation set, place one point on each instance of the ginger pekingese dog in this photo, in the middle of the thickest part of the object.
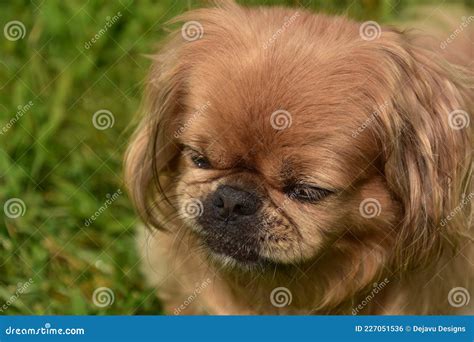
(296, 163)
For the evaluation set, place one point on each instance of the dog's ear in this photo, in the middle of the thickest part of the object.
(426, 139)
(149, 160)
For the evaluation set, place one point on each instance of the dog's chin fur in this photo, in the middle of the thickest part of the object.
(216, 94)
(230, 264)
(223, 262)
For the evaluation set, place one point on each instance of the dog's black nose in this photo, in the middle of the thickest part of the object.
(230, 203)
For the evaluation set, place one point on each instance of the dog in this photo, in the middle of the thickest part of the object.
(298, 163)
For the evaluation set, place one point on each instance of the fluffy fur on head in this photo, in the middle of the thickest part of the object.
(282, 151)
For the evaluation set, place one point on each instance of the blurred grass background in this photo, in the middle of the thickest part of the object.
(63, 168)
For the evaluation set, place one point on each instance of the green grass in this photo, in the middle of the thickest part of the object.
(62, 167)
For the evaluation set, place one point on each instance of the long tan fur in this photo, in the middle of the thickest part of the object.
(217, 92)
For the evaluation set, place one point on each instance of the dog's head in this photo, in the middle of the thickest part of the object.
(279, 136)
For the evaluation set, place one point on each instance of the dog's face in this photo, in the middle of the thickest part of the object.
(316, 143)
(277, 175)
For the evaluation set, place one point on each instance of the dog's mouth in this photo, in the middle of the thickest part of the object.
(245, 252)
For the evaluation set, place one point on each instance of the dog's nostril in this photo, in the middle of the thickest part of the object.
(231, 203)
(238, 208)
(245, 209)
(218, 202)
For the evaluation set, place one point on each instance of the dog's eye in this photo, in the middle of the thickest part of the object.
(306, 193)
(200, 161)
